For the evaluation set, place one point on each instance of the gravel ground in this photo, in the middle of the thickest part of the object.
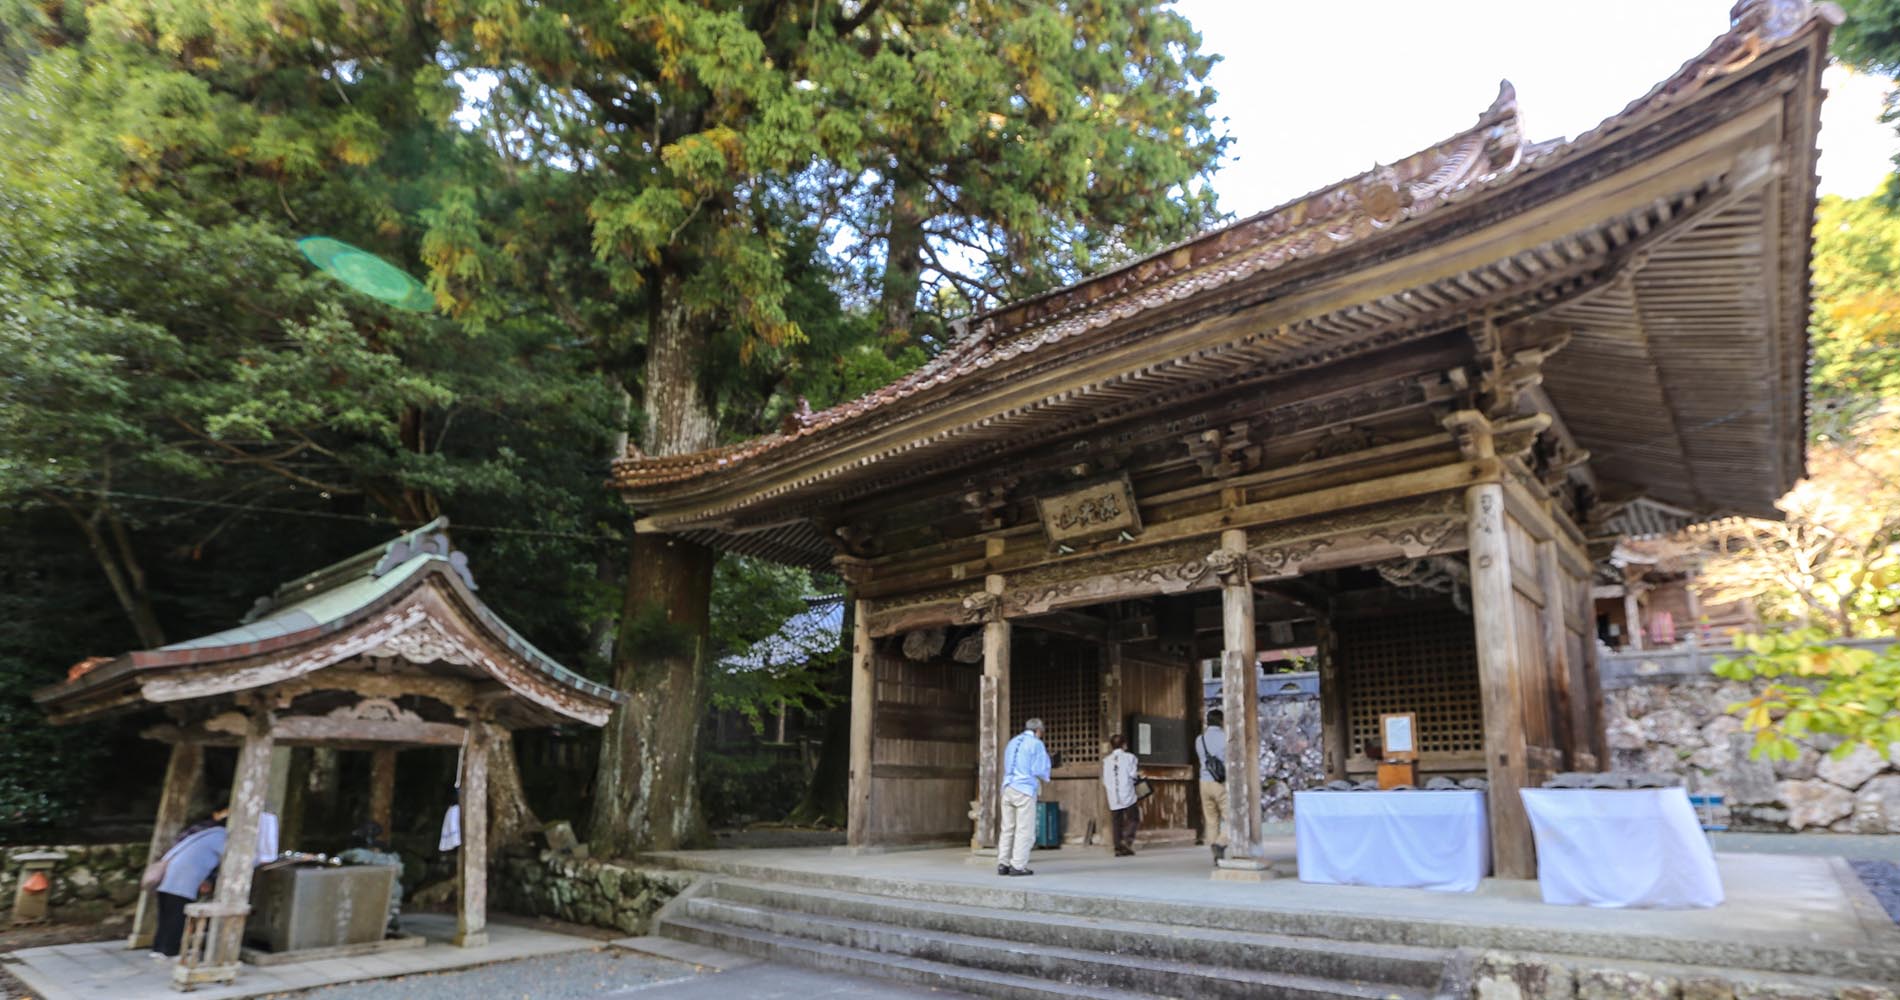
(581, 975)
(1882, 878)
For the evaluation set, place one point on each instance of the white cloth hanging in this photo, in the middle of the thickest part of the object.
(266, 837)
(451, 829)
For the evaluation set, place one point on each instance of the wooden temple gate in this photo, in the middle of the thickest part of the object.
(1459, 375)
(385, 651)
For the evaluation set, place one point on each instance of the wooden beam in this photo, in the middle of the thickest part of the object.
(323, 729)
(1333, 730)
(1366, 493)
(1493, 613)
(183, 771)
(863, 717)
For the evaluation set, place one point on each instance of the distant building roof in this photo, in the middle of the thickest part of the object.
(809, 634)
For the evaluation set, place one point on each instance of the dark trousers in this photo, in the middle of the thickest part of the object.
(170, 934)
(1122, 824)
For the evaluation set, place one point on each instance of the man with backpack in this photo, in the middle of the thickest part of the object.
(1212, 748)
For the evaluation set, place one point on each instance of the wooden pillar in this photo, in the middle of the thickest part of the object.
(1494, 616)
(249, 786)
(1632, 618)
(993, 729)
(863, 717)
(382, 787)
(1240, 706)
(471, 911)
(182, 774)
(1556, 584)
(1333, 730)
(1112, 693)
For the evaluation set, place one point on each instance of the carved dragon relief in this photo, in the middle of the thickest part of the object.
(1437, 574)
(1418, 540)
(1284, 560)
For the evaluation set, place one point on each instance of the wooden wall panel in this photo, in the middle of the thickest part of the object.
(1422, 659)
(923, 752)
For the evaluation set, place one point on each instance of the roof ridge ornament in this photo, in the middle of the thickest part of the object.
(1776, 19)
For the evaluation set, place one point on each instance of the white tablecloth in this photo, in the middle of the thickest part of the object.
(1412, 839)
(1621, 847)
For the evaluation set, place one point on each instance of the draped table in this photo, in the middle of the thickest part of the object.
(1410, 839)
(1621, 847)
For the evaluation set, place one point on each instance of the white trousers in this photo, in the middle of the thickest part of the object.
(1017, 834)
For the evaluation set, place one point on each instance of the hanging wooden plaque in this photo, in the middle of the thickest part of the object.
(1099, 510)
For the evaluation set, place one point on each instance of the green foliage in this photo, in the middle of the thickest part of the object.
(751, 601)
(1856, 324)
(1810, 687)
(735, 789)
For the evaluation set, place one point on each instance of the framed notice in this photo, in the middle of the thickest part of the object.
(1399, 732)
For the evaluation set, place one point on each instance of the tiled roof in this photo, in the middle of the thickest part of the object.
(807, 635)
(1490, 154)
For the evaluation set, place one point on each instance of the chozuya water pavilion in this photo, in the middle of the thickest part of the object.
(1390, 423)
(385, 651)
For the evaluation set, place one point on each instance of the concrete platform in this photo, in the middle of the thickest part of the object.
(107, 970)
(1792, 914)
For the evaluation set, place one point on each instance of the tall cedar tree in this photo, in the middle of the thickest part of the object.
(665, 155)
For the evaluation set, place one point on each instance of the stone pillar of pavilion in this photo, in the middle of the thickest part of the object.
(214, 931)
(471, 911)
(1493, 616)
(182, 773)
(382, 787)
(1240, 705)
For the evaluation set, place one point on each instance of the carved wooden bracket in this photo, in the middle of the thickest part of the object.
(1439, 574)
(989, 501)
(1224, 451)
(1229, 565)
(980, 608)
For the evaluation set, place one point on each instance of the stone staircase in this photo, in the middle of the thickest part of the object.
(1016, 953)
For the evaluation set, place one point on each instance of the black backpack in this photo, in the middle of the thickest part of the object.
(1214, 765)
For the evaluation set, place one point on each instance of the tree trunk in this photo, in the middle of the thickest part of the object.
(646, 798)
(512, 822)
(127, 579)
(904, 260)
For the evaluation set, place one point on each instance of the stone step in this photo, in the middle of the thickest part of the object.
(1320, 958)
(1599, 942)
(899, 968)
(1010, 955)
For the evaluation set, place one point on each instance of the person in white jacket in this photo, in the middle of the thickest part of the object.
(1118, 778)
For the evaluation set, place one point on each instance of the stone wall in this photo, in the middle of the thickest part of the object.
(93, 878)
(1290, 755)
(1664, 711)
(608, 894)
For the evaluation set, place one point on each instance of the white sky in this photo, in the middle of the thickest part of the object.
(1316, 91)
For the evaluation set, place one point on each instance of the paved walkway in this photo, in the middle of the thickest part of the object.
(107, 970)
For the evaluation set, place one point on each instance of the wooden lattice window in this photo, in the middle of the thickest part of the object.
(1060, 684)
(1422, 661)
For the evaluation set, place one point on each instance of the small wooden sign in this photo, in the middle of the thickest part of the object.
(1099, 510)
(1399, 735)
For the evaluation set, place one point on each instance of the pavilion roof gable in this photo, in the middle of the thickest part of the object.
(413, 598)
